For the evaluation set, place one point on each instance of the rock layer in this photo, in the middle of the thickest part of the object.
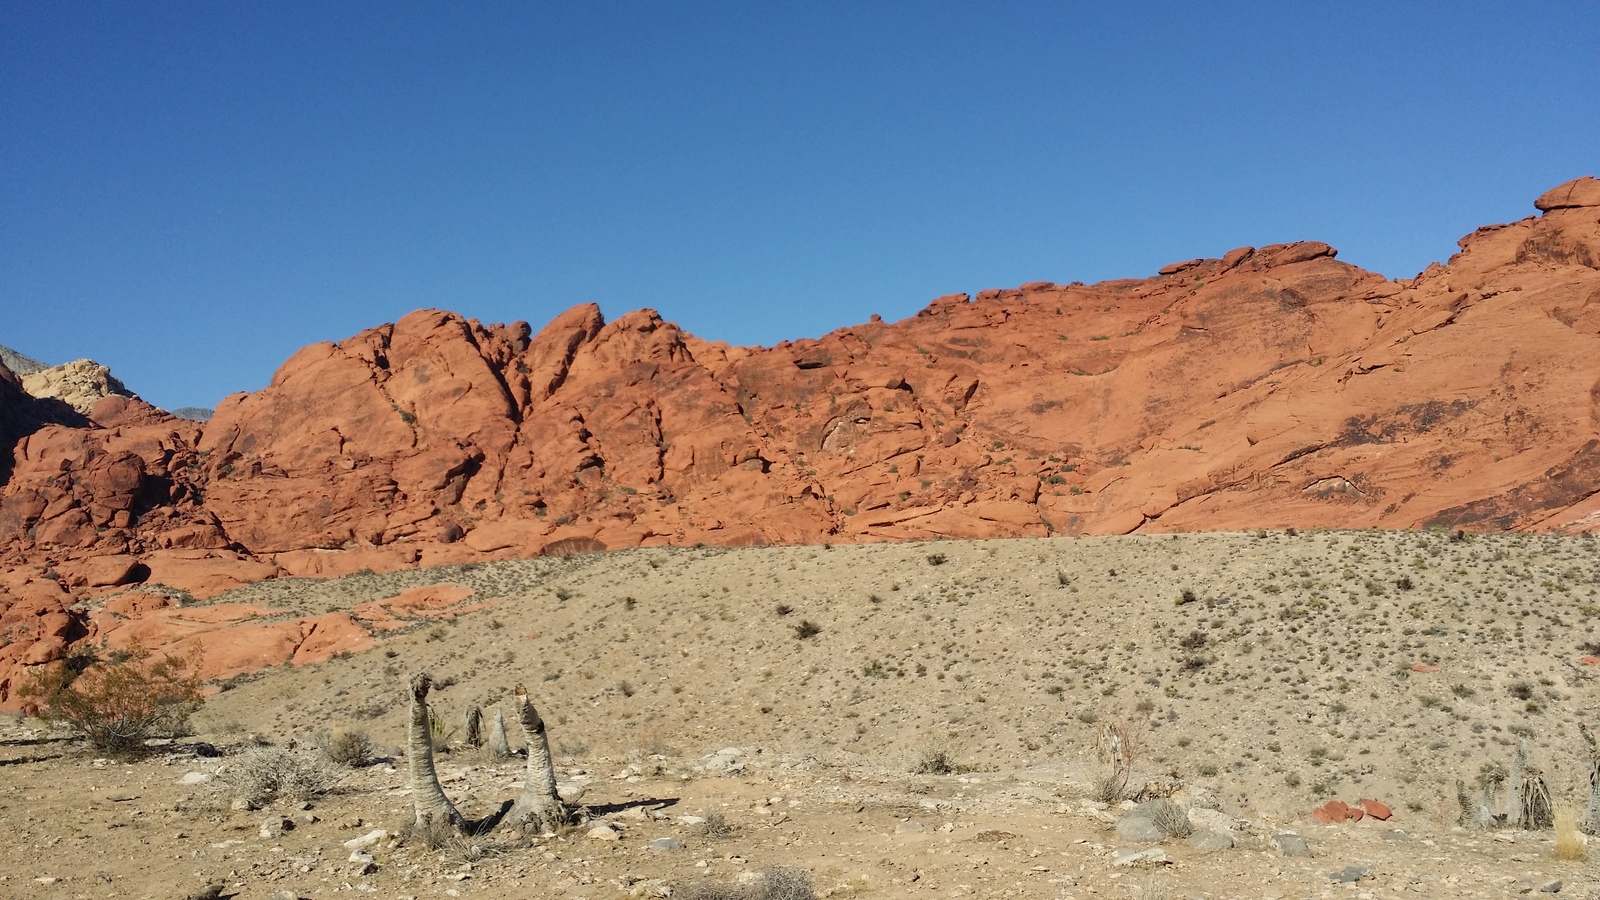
(80, 384)
(1270, 387)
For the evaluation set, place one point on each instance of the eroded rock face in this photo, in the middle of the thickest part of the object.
(80, 384)
(1268, 387)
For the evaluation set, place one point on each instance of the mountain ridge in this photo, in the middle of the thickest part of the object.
(586, 416)
(1270, 387)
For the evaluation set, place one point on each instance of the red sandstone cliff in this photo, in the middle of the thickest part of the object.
(1271, 387)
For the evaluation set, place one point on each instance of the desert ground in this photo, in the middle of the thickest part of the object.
(886, 720)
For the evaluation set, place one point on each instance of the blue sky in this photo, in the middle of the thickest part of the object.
(189, 192)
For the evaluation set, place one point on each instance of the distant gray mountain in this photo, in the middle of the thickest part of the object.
(22, 365)
(193, 413)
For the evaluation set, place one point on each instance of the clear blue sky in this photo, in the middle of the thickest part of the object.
(189, 192)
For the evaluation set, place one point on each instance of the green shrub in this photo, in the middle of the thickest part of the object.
(122, 701)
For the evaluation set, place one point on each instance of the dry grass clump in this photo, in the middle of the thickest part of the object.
(717, 825)
(347, 748)
(1570, 844)
(1171, 819)
(775, 884)
(934, 761)
(454, 844)
(267, 772)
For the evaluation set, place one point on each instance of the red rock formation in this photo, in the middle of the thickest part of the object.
(1376, 809)
(1270, 387)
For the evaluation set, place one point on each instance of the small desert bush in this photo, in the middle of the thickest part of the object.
(934, 761)
(717, 825)
(807, 629)
(122, 701)
(775, 884)
(1108, 788)
(1171, 819)
(1118, 746)
(453, 843)
(347, 748)
(268, 772)
(1570, 844)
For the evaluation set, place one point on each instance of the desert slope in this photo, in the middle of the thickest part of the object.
(1269, 387)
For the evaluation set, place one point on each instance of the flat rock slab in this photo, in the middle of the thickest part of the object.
(1289, 844)
(1127, 856)
(1210, 841)
(1350, 874)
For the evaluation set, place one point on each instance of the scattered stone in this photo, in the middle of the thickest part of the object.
(1550, 887)
(1290, 844)
(727, 761)
(1138, 826)
(1127, 856)
(366, 840)
(1335, 811)
(121, 797)
(273, 827)
(1210, 841)
(212, 891)
(1376, 810)
(603, 832)
(666, 844)
(910, 827)
(194, 778)
(244, 803)
(1349, 874)
(366, 864)
(1395, 835)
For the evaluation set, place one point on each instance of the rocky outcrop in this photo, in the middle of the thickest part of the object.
(18, 363)
(1267, 387)
(80, 384)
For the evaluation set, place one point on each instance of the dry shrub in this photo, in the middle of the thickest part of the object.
(1119, 747)
(122, 701)
(453, 843)
(1108, 788)
(1171, 819)
(347, 748)
(775, 884)
(935, 761)
(267, 772)
(1570, 844)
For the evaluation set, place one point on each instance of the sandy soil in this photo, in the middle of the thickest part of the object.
(1308, 666)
